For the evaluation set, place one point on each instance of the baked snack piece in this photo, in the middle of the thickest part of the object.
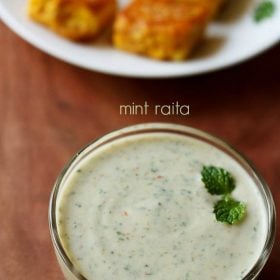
(78, 20)
(161, 29)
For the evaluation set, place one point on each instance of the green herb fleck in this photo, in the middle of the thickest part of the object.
(217, 180)
(229, 210)
(264, 10)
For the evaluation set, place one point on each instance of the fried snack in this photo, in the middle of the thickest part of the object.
(216, 6)
(79, 20)
(161, 29)
(213, 6)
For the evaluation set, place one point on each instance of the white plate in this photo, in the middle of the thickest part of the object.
(232, 39)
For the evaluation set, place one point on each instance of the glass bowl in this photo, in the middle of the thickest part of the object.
(68, 269)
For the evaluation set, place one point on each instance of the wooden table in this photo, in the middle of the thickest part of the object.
(49, 110)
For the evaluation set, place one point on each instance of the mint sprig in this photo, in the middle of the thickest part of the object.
(219, 181)
(229, 210)
(264, 10)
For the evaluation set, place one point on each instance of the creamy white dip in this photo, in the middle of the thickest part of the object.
(137, 209)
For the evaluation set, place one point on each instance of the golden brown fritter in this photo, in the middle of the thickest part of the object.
(75, 19)
(213, 6)
(161, 29)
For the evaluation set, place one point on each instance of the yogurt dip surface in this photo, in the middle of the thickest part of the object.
(136, 208)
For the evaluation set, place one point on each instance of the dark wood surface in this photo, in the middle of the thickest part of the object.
(49, 110)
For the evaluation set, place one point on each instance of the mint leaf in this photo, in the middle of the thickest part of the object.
(264, 10)
(217, 180)
(229, 210)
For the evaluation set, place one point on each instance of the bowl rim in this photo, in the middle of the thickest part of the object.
(175, 129)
